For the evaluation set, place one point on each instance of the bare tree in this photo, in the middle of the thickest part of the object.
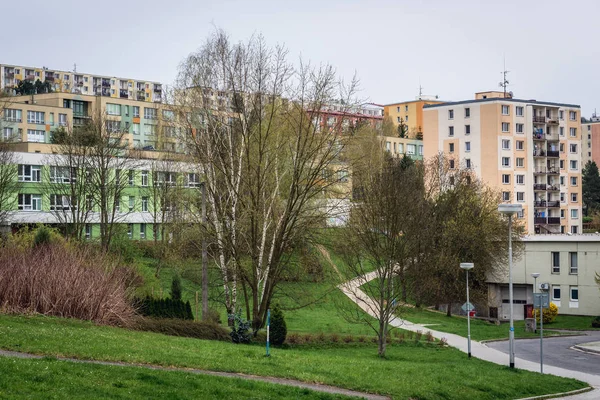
(8, 168)
(250, 121)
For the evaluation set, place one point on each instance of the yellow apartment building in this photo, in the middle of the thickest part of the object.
(529, 150)
(410, 112)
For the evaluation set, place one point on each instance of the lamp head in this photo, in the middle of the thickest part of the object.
(466, 266)
(535, 274)
(510, 209)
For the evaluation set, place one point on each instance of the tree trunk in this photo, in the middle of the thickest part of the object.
(449, 310)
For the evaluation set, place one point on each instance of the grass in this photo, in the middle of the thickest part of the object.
(411, 370)
(480, 330)
(52, 379)
(572, 322)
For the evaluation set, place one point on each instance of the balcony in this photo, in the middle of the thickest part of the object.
(157, 88)
(552, 188)
(29, 77)
(553, 120)
(546, 220)
(539, 153)
(546, 204)
(550, 171)
(105, 92)
(540, 203)
(539, 186)
(140, 96)
(105, 83)
(539, 120)
(552, 153)
(124, 94)
(9, 75)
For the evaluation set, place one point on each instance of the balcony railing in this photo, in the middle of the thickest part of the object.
(106, 83)
(553, 120)
(546, 220)
(552, 153)
(539, 120)
(544, 203)
(539, 186)
(550, 170)
(552, 188)
(123, 94)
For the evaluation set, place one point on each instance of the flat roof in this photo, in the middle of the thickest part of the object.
(586, 237)
(414, 101)
(492, 99)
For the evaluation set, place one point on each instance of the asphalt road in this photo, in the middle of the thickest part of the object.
(557, 351)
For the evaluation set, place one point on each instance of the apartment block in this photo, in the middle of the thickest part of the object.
(410, 113)
(341, 116)
(399, 147)
(590, 141)
(529, 150)
(81, 83)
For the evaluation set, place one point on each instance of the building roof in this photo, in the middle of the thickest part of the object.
(589, 237)
(492, 99)
(414, 101)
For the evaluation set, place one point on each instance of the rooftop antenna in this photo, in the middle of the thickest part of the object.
(504, 83)
(75, 68)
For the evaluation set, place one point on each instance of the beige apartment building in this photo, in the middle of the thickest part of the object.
(81, 83)
(590, 141)
(529, 150)
(567, 265)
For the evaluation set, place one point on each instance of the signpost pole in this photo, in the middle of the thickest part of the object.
(542, 333)
(268, 326)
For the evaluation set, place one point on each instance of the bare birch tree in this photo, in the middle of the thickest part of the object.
(250, 116)
(8, 167)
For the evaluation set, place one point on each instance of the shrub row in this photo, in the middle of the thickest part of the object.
(334, 338)
(164, 308)
(184, 328)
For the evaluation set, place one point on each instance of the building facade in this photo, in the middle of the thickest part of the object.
(344, 117)
(529, 150)
(81, 83)
(567, 266)
(410, 113)
(590, 149)
(399, 147)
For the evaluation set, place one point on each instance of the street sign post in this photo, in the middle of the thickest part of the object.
(541, 300)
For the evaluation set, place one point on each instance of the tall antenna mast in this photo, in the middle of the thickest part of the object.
(420, 91)
(75, 68)
(504, 83)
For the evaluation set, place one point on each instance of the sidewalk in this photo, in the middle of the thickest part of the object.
(478, 349)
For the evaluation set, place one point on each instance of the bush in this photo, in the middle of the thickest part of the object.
(178, 327)
(549, 313)
(176, 288)
(294, 338)
(42, 237)
(278, 328)
(164, 308)
(123, 247)
(596, 322)
(240, 331)
(62, 281)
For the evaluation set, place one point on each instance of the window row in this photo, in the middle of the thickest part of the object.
(571, 261)
(573, 293)
(149, 112)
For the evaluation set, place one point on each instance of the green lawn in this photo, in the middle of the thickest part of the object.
(411, 370)
(52, 379)
(573, 322)
(480, 330)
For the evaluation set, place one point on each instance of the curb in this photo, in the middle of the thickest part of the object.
(564, 394)
(530, 338)
(586, 349)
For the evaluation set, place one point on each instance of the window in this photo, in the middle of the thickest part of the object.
(555, 262)
(450, 114)
(505, 196)
(574, 229)
(193, 179)
(131, 177)
(168, 178)
(30, 202)
(520, 144)
(450, 131)
(30, 173)
(520, 179)
(562, 200)
(520, 196)
(144, 204)
(574, 213)
(468, 163)
(574, 293)
(573, 132)
(126, 111)
(62, 119)
(168, 115)
(467, 112)
(451, 164)
(88, 231)
(561, 164)
(405, 109)
(519, 128)
(556, 293)
(573, 181)
(59, 202)
(505, 179)
(35, 117)
(149, 113)
(450, 147)
(12, 115)
(135, 129)
(7, 134)
(561, 131)
(572, 115)
(505, 144)
(388, 146)
(519, 111)
(574, 197)
(113, 126)
(399, 119)
(130, 231)
(131, 203)
(142, 231)
(60, 174)
(144, 178)
(467, 146)
(506, 161)
(398, 109)
(149, 129)
(520, 162)
(505, 110)
(561, 147)
(400, 147)
(573, 164)
(420, 149)
(411, 149)
(136, 111)
(505, 127)
(561, 114)
(573, 148)
(467, 129)
(113, 109)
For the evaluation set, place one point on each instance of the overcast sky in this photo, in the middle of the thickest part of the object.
(453, 48)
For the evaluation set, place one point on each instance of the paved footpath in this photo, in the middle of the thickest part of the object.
(478, 349)
(278, 381)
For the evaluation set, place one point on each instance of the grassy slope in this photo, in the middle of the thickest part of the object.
(48, 379)
(411, 370)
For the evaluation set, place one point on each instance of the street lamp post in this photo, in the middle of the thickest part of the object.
(467, 267)
(510, 210)
(535, 276)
